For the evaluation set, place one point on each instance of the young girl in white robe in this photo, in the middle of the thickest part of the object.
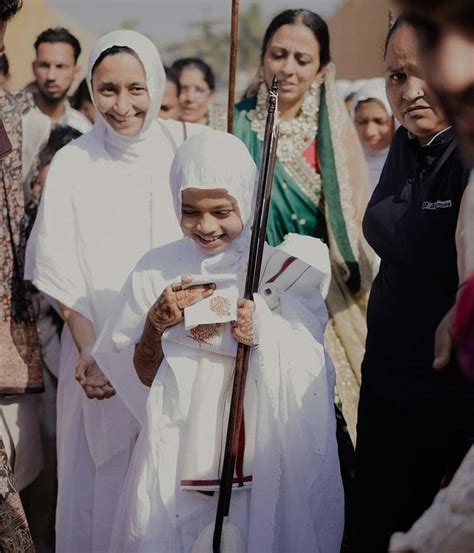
(287, 489)
(106, 202)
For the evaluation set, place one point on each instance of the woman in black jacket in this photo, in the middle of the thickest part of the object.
(414, 423)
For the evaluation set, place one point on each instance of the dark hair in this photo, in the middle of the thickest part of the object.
(8, 8)
(172, 77)
(198, 63)
(59, 34)
(4, 65)
(81, 95)
(401, 20)
(112, 51)
(313, 21)
(59, 137)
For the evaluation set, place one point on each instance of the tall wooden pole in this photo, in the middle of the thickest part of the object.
(257, 242)
(234, 40)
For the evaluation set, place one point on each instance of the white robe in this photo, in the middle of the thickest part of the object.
(296, 500)
(97, 217)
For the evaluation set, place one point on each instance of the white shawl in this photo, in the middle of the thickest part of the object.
(106, 202)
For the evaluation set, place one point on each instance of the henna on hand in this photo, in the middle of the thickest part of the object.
(166, 311)
(243, 328)
(148, 354)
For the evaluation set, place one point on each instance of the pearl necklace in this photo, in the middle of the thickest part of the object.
(295, 135)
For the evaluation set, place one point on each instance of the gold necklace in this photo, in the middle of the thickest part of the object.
(295, 135)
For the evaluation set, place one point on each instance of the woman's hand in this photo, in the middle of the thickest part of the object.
(88, 374)
(168, 309)
(91, 378)
(242, 328)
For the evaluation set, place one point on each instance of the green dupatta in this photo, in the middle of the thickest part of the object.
(337, 219)
(291, 209)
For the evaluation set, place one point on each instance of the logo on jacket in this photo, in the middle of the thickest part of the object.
(440, 204)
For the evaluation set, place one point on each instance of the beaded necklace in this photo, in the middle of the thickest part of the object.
(296, 134)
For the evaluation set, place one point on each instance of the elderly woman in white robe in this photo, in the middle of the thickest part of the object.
(289, 494)
(106, 202)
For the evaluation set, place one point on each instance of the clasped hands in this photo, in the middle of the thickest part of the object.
(168, 310)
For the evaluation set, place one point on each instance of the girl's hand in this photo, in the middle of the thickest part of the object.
(93, 381)
(242, 328)
(168, 309)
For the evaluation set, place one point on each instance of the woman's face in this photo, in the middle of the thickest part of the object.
(195, 97)
(120, 92)
(374, 125)
(412, 101)
(210, 217)
(292, 55)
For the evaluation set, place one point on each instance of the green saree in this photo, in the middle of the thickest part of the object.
(327, 205)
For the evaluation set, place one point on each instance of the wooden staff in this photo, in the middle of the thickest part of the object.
(257, 243)
(234, 40)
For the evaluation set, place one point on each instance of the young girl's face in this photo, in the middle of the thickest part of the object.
(210, 217)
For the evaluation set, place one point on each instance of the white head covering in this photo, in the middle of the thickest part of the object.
(218, 160)
(373, 89)
(129, 148)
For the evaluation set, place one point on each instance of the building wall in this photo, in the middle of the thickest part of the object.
(357, 38)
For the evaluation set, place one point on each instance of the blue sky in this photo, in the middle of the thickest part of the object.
(168, 20)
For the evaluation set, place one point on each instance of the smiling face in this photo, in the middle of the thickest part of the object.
(374, 125)
(292, 55)
(210, 217)
(195, 97)
(412, 101)
(54, 69)
(120, 92)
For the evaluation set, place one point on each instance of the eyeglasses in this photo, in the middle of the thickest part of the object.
(195, 91)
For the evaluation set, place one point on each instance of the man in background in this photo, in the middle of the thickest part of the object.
(55, 69)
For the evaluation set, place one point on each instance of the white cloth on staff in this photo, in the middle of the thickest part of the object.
(295, 501)
(106, 202)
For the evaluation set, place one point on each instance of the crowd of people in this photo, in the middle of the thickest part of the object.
(126, 221)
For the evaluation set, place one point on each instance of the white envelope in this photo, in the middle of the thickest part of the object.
(221, 307)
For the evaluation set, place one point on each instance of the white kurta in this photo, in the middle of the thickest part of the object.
(296, 500)
(97, 217)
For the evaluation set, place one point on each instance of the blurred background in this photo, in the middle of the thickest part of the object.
(202, 28)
